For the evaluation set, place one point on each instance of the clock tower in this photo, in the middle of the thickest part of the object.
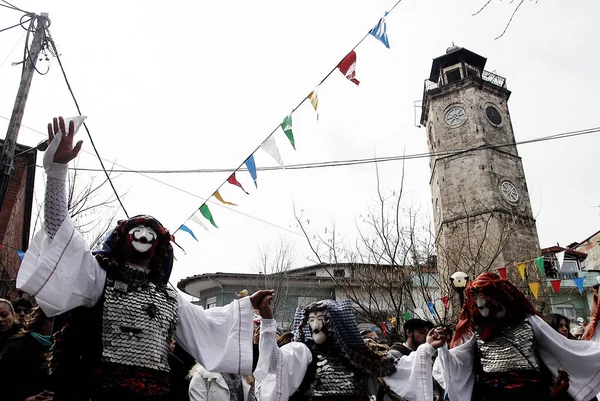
(481, 207)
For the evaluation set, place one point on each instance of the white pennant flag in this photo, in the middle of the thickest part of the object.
(271, 148)
(560, 257)
(197, 220)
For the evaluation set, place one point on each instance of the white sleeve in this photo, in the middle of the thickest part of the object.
(198, 390)
(279, 371)
(438, 373)
(580, 359)
(457, 366)
(412, 379)
(60, 272)
(219, 338)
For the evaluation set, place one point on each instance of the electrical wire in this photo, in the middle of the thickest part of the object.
(14, 7)
(55, 53)
(13, 49)
(14, 26)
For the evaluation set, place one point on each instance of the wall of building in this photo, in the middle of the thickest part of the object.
(592, 248)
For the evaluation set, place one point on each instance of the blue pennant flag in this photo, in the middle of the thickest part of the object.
(380, 32)
(188, 230)
(252, 168)
(579, 283)
(21, 254)
(431, 308)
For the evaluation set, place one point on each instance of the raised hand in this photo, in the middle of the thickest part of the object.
(261, 300)
(65, 152)
(436, 337)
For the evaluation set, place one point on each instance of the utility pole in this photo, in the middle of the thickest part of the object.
(8, 150)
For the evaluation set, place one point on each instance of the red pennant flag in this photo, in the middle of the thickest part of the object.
(233, 181)
(445, 301)
(383, 328)
(502, 272)
(555, 285)
(348, 67)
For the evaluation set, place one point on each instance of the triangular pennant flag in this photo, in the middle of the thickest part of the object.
(286, 126)
(384, 328)
(185, 228)
(539, 262)
(521, 266)
(233, 181)
(555, 285)
(251, 168)
(271, 148)
(502, 272)
(197, 220)
(380, 32)
(445, 301)
(314, 100)
(21, 254)
(534, 287)
(207, 214)
(348, 67)
(431, 308)
(406, 316)
(220, 198)
(175, 258)
(561, 258)
(579, 283)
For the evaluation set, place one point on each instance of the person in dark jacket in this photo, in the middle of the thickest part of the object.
(23, 361)
(8, 322)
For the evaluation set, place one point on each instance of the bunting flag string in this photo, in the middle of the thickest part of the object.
(380, 32)
(185, 228)
(555, 285)
(220, 199)
(431, 308)
(445, 301)
(502, 272)
(233, 181)
(579, 283)
(561, 258)
(348, 67)
(286, 126)
(271, 148)
(207, 214)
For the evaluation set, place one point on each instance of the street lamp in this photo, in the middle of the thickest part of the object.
(42, 146)
(459, 282)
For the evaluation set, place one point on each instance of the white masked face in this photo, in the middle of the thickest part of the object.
(482, 303)
(142, 238)
(317, 323)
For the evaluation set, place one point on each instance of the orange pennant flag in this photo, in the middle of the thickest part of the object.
(534, 287)
(521, 266)
(314, 100)
(220, 198)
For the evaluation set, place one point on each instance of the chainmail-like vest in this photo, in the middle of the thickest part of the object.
(511, 348)
(138, 320)
(334, 377)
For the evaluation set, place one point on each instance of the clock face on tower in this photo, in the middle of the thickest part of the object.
(493, 115)
(455, 116)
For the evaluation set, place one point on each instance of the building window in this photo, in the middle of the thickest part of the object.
(566, 310)
(453, 75)
(339, 273)
(211, 302)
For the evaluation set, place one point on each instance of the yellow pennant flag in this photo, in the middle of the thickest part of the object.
(534, 287)
(220, 198)
(314, 100)
(521, 266)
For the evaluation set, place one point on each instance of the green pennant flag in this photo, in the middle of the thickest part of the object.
(207, 215)
(406, 316)
(286, 126)
(539, 262)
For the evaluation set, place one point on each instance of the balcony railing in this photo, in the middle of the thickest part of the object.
(471, 73)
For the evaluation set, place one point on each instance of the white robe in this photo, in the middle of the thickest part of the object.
(280, 371)
(62, 274)
(580, 359)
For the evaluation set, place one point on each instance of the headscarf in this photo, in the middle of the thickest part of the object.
(111, 252)
(502, 292)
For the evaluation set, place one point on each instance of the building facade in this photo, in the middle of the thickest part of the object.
(481, 206)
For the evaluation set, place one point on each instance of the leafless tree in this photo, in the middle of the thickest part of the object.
(518, 5)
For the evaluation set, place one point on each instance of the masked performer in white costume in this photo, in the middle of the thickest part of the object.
(123, 315)
(329, 361)
(502, 350)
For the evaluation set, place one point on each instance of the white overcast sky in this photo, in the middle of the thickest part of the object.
(199, 84)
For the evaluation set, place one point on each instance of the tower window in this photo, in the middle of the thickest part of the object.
(453, 75)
